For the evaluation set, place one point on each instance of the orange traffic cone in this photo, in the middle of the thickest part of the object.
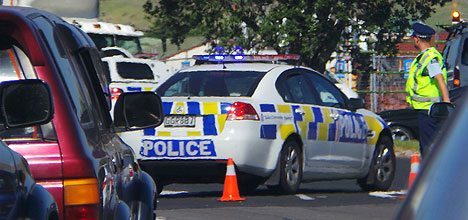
(414, 170)
(231, 192)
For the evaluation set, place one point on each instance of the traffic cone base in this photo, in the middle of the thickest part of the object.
(231, 191)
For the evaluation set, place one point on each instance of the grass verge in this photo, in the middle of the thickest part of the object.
(407, 146)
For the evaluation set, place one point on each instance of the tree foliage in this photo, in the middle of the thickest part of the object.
(312, 28)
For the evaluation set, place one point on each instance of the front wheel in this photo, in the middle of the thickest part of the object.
(290, 167)
(382, 168)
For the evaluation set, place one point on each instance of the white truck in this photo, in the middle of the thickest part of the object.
(84, 14)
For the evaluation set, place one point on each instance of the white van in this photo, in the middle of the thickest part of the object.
(134, 74)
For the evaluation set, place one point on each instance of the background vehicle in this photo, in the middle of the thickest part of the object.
(456, 55)
(350, 93)
(133, 74)
(20, 196)
(439, 191)
(404, 122)
(281, 124)
(78, 157)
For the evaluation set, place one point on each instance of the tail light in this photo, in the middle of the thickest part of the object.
(81, 197)
(82, 212)
(242, 111)
(115, 92)
(456, 77)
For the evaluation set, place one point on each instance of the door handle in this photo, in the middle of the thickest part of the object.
(335, 116)
(299, 111)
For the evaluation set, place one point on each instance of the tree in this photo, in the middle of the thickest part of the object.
(313, 29)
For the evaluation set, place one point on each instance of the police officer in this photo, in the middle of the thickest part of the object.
(426, 84)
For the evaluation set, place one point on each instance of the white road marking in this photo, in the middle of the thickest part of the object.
(171, 193)
(305, 197)
(388, 194)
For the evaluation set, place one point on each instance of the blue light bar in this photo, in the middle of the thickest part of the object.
(245, 58)
(238, 57)
(219, 57)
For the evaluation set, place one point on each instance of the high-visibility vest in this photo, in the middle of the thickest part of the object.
(422, 90)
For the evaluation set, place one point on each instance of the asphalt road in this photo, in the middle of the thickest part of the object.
(318, 200)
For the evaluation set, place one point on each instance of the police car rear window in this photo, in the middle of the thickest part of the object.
(134, 70)
(211, 83)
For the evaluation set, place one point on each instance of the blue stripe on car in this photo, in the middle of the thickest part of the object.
(268, 131)
(267, 108)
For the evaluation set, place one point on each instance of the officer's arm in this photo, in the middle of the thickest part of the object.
(442, 87)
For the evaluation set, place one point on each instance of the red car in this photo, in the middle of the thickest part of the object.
(78, 157)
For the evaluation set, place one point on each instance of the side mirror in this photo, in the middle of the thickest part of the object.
(138, 110)
(25, 103)
(355, 104)
(441, 110)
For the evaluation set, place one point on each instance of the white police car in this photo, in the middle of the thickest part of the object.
(281, 124)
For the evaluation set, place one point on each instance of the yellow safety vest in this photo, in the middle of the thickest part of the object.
(422, 90)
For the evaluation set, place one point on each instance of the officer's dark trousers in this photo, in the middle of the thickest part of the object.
(428, 128)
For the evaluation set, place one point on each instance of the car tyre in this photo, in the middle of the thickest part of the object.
(140, 211)
(382, 168)
(290, 167)
(400, 133)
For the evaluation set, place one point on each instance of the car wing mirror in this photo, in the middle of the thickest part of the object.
(355, 104)
(25, 103)
(441, 110)
(138, 110)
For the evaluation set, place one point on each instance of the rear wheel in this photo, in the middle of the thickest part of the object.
(382, 168)
(401, 134)
(290, 167)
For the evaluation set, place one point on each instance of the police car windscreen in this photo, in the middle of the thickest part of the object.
(128, 70)
(211, 83)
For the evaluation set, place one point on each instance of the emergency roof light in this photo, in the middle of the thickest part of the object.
(455, 16)
(245, 58)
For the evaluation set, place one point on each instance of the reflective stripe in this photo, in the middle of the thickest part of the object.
(418, 67)
(426, 99)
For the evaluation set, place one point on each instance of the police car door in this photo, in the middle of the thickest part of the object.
(308, 122)
(346, 130)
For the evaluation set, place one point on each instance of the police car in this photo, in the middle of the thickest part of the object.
(281, 125)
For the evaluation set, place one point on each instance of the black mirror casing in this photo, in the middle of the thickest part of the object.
(25, 103)
(138, 110)
(441, 110)
(355, 104)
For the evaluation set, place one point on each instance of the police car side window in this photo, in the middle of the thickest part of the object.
(328, 93)
(294, 88)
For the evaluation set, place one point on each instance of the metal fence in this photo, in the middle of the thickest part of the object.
(383, 88)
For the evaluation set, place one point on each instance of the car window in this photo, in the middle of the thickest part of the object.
(465, 52)
(61, 58)
(211, 83)
(451, 52)
(102, 40)
(14, 65)
(129, 70)
(328, 93)
(294, 88)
